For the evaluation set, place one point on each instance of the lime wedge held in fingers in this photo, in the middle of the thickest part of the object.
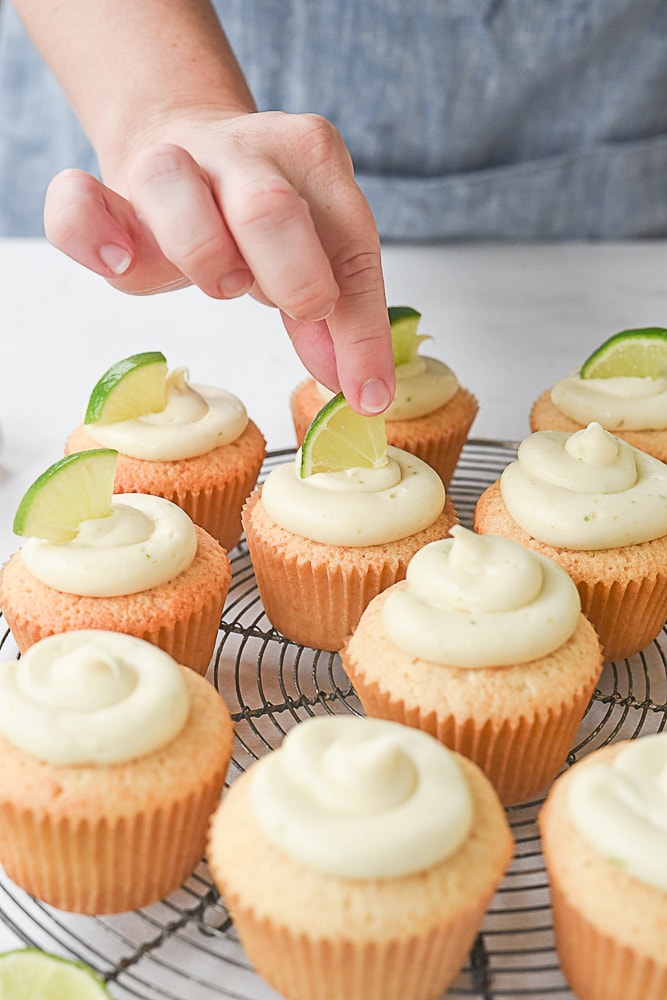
(403, 321)
(74, 489)
(642, 353)
(340, 438)
(131, 388)
(30, 974)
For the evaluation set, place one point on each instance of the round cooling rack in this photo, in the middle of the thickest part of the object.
(185, 947)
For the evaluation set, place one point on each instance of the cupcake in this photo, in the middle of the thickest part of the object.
(431, 414)
(113, 759)
(323, 546)
(201, 451)
(632, 406)
(361, 854)
(144, 569)
(483, 646)
(597, 507)
(604, 840)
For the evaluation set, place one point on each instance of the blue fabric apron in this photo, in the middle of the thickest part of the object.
(466, 119)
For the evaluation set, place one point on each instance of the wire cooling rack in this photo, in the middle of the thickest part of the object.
(185, 947)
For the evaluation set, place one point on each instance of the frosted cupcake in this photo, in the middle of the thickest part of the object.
(632, 406)
(144, 569)
(598, 508)
(113, 759)
(483, 646)
(323, 546)
(431, 414)
(604, 838)
(361, 854)
(200, 450)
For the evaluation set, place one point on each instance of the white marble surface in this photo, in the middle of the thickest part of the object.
(508, 319)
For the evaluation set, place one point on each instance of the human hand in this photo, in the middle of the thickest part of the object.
(264, 203)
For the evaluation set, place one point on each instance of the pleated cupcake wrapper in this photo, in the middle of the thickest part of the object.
(317, 605)
(598, 967)
(628, 617)
(441, 450)
(107, 865)
(519, 757)
(191, 641)
(303, 968)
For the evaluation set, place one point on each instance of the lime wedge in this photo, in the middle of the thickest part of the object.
(74, 489)
(131, 388)
(30, 974)
(642, 353)
(403, 321)
(340, 438)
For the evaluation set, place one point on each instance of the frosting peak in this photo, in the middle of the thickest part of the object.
(480, 601)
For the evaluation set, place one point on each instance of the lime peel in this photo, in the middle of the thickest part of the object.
(131, 388)
(31, 974)
(641, 353)
(76, 488)
(405, 341)
(339, 438)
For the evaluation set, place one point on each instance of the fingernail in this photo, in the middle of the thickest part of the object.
(375, 396)
(235, 283)
(116, 258)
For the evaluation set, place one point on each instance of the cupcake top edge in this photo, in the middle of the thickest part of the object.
(362, 798)
(92, 697)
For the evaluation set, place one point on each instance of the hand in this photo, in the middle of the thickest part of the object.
(264, 203)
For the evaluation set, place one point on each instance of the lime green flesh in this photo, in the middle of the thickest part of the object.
(641, 353)
(340, 438)
(403, 321)
(74, 489)
(30, 974)
(131, 388)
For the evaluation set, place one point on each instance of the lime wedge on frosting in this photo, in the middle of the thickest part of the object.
(404, 321)
(641, 353)
(340, 438)
(74, 489)
(131, 388)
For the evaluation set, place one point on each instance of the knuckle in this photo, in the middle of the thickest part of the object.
(270, 201)
(358, 271)
(156, 163)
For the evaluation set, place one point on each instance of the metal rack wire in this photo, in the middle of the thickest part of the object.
(185, 947)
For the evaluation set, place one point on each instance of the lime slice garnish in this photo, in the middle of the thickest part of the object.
(30, 974)
(641, 353)
(131, 388)
(74, 489)
(404, 321)
(340, 438)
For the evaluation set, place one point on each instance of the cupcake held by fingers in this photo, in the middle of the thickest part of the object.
(131, 563)
(483, 646)
(193, 444)
(431, 414)
(362, 855)
(113, 759)
(331, 529)
(604, 838)
(597, 507)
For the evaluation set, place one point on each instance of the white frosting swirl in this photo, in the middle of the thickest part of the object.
(588, 490)
(627, 403)
(145, 541)
(196, 419)
(358, 506)
(92, 697)
(362, 798)
(422, 386)
(621, 808)
(481, 601)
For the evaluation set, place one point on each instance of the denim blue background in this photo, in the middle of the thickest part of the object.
(488, 119)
